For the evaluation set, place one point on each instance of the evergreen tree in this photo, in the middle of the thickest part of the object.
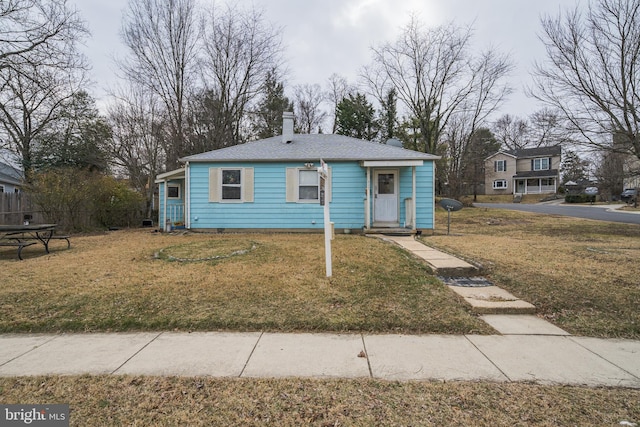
(268, 117)
(77, 139)
(355, 117)
(573, 167)
(389, 113)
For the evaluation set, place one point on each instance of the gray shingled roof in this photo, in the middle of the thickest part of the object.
(328, 147)
(554, 150)
(10, 175)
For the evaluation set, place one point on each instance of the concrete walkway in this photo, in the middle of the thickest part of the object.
(545, 359)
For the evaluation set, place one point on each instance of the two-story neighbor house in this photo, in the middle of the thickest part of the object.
(524, 171)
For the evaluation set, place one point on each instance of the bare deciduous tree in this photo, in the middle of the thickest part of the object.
(307, 102)
(37, 32)
(436, 77)
(239, 51)
(137, 123)
(41, 70)
(511, 131)
(338, 88)
(162, 38)
(591, 74)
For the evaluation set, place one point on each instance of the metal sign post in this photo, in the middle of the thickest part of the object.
(323, 171)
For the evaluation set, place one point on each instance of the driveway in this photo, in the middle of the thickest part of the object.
(595, 212)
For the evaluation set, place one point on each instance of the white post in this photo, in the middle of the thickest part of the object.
(367, 206)
(323, 170)
(413, 198)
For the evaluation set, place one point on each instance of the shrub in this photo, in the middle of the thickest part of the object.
(579, 198)
(80, 200)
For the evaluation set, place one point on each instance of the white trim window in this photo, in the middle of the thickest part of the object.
(543, 164)
(231, 185)
(303, 186)
(500, 184)
(173, 191)
(308, 185)
(500, 166)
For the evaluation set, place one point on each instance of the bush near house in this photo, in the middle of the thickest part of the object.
(80, 200)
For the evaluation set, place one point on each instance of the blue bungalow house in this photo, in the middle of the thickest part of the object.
(273, 184)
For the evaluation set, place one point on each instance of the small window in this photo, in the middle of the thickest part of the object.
(1, 188)
(541, 164)
(173, 191)
(231, 184)
(500, 165)
(500, 184)
(308, 185)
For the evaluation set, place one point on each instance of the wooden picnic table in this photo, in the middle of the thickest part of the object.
(21, 236)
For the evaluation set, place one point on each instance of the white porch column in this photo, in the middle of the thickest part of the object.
(367, 206)
(187, 197)
(413, 198)
(163, 224)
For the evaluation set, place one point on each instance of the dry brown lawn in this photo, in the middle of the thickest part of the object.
(122, 400)
(581, 275)
(276, 282)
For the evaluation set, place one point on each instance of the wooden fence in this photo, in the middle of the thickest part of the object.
(15, 206)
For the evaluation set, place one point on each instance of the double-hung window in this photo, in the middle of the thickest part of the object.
(500, 165)
(303, 185)
(231, 184)
(541, 164)
(308, 183)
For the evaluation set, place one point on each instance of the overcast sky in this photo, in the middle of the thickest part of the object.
(323, 37)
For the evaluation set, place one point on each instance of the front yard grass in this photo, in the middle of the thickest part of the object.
(170, 401)
(139, 280)
(582, 275)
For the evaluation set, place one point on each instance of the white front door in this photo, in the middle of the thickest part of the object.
(385, 193)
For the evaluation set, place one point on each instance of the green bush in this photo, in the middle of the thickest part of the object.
(579, 198)
(79, 200)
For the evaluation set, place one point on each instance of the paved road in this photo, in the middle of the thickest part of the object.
(596, 212)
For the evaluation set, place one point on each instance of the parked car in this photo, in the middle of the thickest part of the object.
(591, 191)
(628, 195)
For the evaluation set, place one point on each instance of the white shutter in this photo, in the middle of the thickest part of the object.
(292, 185)
(247, 184)
(214, 185)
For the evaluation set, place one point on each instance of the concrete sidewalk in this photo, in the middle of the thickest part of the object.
(545, 359)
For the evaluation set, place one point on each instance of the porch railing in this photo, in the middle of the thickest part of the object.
(540, 189)
(174, 215)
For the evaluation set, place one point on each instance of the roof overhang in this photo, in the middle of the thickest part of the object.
(390, 163)
(175, 174)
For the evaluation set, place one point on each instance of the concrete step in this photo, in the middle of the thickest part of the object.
(493, 300)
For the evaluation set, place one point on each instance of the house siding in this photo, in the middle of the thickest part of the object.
(491, 175)
(270, 210)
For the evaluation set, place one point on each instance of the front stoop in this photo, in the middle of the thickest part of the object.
(493, 300)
